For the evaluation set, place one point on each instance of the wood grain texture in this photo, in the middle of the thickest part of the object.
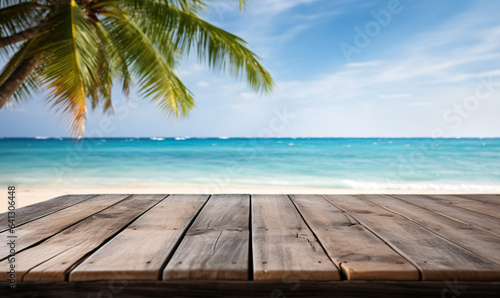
(463, 202)
(216, 245)
(47, 226)
(123, 288)
(282, 244)
(447, 238)
(32, 212)
(435, 257)
(51, 259)
(140, 250)
(358, 252)
(493, 199)
(478, 220)
(478, 241)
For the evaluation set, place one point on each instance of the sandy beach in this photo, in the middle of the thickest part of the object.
(27, 197)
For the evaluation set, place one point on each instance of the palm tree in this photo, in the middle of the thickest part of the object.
(77, 49)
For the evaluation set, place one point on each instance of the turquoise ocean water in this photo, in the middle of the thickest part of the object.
(440, 164)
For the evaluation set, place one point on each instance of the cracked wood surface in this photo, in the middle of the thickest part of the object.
(216, 245)
(359, 253)
(487, 223)
(475, 240)
(283, 246)
(157, 231)
(281, 239)
(36, 231)
(436, 257)
(38, 210)
(51, 259)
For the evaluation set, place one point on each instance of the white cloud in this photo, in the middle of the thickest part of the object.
(365, 64)
(202, 84)
(273, 7)
(419, 78)
(420, 104)
(248, 95)
(394, 95)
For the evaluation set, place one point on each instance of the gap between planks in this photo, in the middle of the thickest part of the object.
(283, 245)
(50, 260)
(475, 240)
(435, 257)
(359, 253)
(158, 231)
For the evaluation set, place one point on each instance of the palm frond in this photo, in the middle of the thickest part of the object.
(18, 17)
(87, 45)
(28, 89)
(69, 71)
(30, 86)
(193, 6)
(14, 61)
(156, 78)
(115, 61)
(221, 50)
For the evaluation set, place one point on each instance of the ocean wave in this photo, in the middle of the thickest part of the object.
(157, 139)
(426, 186)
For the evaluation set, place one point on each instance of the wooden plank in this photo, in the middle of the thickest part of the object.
(216, 245)
(156, 232)
(435, 257)
(203, 289)
(475, 219)
(44, 227)
(32, 212)
(283, 245)
(358, 252)
(477, 241)
(493, 199)
(464, 202)
(51, 259)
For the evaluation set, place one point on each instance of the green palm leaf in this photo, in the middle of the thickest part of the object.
(30, 86)
(81, 48)
(221, 50)
(69, 71)
(19, 17)
(156, 78)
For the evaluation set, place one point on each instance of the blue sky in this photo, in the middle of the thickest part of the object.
(343, 68)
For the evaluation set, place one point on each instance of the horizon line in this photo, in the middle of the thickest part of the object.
(225, 138)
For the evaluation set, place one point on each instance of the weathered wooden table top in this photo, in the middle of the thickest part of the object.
(280, 239)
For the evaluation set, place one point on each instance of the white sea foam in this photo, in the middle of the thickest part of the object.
(426, 186)
(41, 138)
(157, 139)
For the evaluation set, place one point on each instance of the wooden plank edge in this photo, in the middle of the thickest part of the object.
(330, 275)
(297, 288)
(88, 254)
(4, 215)
(75, 276)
